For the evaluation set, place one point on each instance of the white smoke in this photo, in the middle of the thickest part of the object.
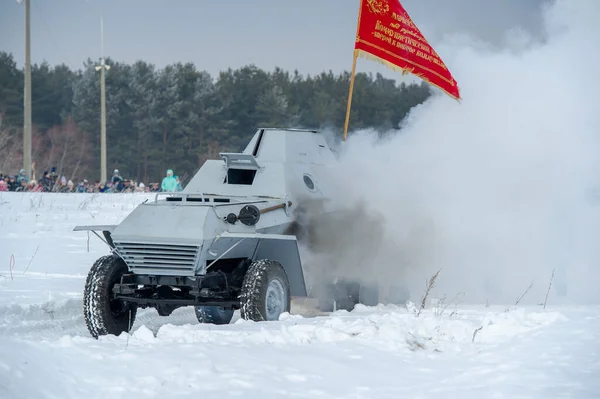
(495, 190)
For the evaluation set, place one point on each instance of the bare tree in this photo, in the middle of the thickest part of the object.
(10, 153)
(63, 146)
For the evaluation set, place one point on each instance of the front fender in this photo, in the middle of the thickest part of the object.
(282, 249)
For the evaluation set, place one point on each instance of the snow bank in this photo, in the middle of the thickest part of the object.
(43, 259)
(388, 328)
(383, 351)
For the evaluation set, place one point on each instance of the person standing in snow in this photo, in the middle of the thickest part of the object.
(23, 187)
(12, 184)
(82, 187)
(169, 183)
(34, 186)
(117, 182)
(22, 177)
(46, 182)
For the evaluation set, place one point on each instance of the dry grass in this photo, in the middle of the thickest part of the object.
(442, 305)
(519, 299)
(549, 286)
(429, 285)
(33, 205)
(11, 266)
(475, 333)
(524, 293)
(31, 260)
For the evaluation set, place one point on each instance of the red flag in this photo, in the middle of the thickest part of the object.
(388, 35)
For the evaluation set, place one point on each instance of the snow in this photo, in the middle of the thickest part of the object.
(463, 351)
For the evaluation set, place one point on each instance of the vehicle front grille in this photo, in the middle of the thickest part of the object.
(162, 259)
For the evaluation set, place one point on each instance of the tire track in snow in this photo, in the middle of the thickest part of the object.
(57, 318)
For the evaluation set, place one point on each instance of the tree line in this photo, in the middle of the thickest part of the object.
(178, 116)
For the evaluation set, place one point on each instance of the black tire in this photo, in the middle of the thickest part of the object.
(264, 278)
(326, 304)
(104, 315)
(213, 314)
(368, 294)
(325, 295)
(398, 295)
(344, 293)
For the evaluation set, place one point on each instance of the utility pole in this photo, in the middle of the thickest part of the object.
(27, 97)
(102, 68)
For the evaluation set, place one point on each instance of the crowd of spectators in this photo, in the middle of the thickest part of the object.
(50, 182)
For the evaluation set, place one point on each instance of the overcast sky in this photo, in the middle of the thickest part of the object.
(310, 35)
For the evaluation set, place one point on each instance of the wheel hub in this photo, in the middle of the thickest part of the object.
(275, 300)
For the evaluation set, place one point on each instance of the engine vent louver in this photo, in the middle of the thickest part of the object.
(151, 258)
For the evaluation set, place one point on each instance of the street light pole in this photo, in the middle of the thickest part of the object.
(102, 68)
(27, 97)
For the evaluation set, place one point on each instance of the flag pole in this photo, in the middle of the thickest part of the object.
(350, 94)
(352, 73)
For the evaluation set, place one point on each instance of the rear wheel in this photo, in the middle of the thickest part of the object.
(398, 295)
(103, 313)
(368, 294)
(344, 294)
(265, 292)
(213, 314)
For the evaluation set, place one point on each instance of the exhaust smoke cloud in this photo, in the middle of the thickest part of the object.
(496, 191)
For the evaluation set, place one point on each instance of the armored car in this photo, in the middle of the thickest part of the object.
(228, 241)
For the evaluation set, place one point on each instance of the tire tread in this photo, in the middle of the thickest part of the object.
(98, 318)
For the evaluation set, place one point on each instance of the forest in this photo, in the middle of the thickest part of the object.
(178, 116)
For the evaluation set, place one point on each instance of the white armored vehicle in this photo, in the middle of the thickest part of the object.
(226, 242)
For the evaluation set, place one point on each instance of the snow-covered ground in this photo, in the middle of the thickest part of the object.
(474, 351)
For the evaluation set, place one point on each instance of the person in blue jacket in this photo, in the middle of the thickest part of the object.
(169, 183)
(178, 186)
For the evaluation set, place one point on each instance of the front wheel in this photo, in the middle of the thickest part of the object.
(265, 292)
(213, 314)
(103, 313)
